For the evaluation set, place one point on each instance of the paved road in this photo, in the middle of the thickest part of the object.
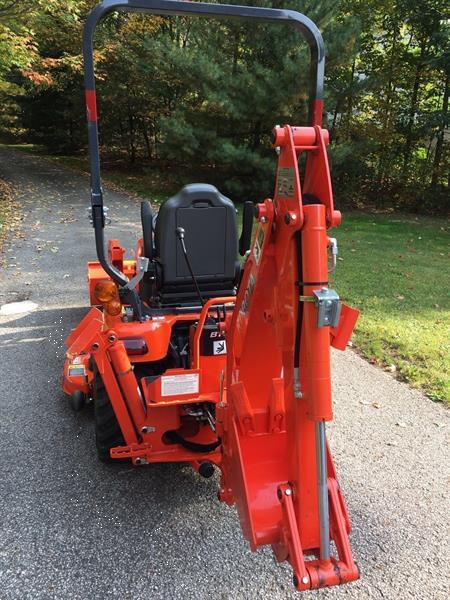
(72, 528)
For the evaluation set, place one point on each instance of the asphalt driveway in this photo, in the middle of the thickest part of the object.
(73, 528)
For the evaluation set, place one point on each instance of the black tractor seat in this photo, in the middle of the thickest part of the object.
(209, 222)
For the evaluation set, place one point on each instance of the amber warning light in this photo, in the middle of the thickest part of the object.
(107, 294)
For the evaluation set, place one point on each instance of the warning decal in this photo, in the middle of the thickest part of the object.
(248, 294)
(286, 182)
(178, 385)
(220, 347)
(258, 246)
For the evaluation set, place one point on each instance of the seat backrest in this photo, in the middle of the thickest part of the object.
(209, 221)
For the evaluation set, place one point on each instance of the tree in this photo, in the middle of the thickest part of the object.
(196, 95)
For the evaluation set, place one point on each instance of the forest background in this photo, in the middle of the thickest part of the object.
(189, 95)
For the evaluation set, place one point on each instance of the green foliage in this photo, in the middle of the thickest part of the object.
(391, 101)
(203, 95)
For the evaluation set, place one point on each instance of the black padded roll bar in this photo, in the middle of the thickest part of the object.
(185, 8)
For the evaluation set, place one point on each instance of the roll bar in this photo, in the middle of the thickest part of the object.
(302, 23)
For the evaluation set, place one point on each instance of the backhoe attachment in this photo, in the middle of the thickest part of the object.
(277, 467)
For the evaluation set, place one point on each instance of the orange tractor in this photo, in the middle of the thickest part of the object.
(191, 357)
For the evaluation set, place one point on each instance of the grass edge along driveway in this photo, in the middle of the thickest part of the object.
(396, 269)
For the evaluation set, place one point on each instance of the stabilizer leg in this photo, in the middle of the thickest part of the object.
(322, 485)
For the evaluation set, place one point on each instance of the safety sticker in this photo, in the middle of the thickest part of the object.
(76, 370)
(286, 182)
(248, 294)
(220, 347)
(178, 385)
(258, 246)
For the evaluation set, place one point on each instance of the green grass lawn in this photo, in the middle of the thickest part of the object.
(395, 268)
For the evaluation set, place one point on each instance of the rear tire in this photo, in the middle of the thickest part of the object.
(107, 430)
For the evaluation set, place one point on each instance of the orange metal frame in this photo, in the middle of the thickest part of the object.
(270, 391)
(272, 405)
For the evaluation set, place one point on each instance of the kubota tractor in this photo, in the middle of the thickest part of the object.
(191, 357)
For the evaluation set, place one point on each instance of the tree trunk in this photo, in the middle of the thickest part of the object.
(440, 137)
(385, 154)
(146, 137)
(350, 98)
(413, 110)
(71, 136)
(257, 135)
(131, 135)
(337, 109)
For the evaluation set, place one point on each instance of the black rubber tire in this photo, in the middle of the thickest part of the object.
(107, 430)
(77, 401)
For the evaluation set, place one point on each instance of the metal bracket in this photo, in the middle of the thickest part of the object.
(105, 215)
(328, 307)
(141, 268)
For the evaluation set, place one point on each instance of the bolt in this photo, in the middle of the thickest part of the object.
(288, 492)
(112, 338)
(95, 346)
(148, 429)
(138, 461)
(305, 579)
(263, 220)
